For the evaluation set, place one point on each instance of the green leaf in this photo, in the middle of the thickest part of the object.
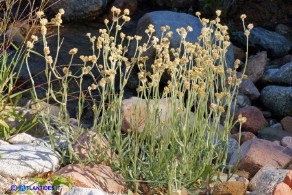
(60, 180)
(40, 181)
(206, 172)
(4, 124)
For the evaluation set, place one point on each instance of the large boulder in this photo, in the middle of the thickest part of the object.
(174, 20)
(26, 160)
(259, 12)
(253, 155)
(174, 4)
(278, 99)
(79, 9)
(261, 39)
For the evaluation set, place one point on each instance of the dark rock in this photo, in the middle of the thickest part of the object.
(278, 99)
(273, 134)
(256, 66)
(248, 88)
(281, 76)
(261, 39)
(287, 123)
(284, 30)
(259, 12)
(79, 10)
(174, 4)
(282, 61)
(174, 20)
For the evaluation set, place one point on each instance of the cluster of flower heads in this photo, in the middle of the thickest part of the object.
(195, 67)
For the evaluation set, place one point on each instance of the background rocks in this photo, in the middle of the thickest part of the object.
(278, 99)
(256, 66)
(275, 44)
(255, 119)
(79, 10)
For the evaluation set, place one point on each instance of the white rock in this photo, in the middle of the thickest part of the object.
(287, 141)
(85, 191)
(21, 138)
(2, 142)
(26, 160)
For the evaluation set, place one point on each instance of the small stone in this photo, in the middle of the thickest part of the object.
(287, 141)
(255, 67)
(245, 135)
(21, 138)
(267, 114)
(287, 123)
(2, 142)
(248, 88)
(282, 189)
(288, 179)
(230, 188)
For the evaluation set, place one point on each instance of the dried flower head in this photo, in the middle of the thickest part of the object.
(236, 63)
(43, 30)
(73, 51)
(49, 59)
(102, 82)
(29, 44)
(47, 50)
(241, 119)
(61, 11)
(39, 14)
(126, 11)
(34, 38)
(106, 21)
(243, 16)
(247, 33)
(218, 13)
(250, 26)
(43, 21)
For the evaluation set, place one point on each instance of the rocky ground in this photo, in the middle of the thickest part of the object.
(265, 161)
